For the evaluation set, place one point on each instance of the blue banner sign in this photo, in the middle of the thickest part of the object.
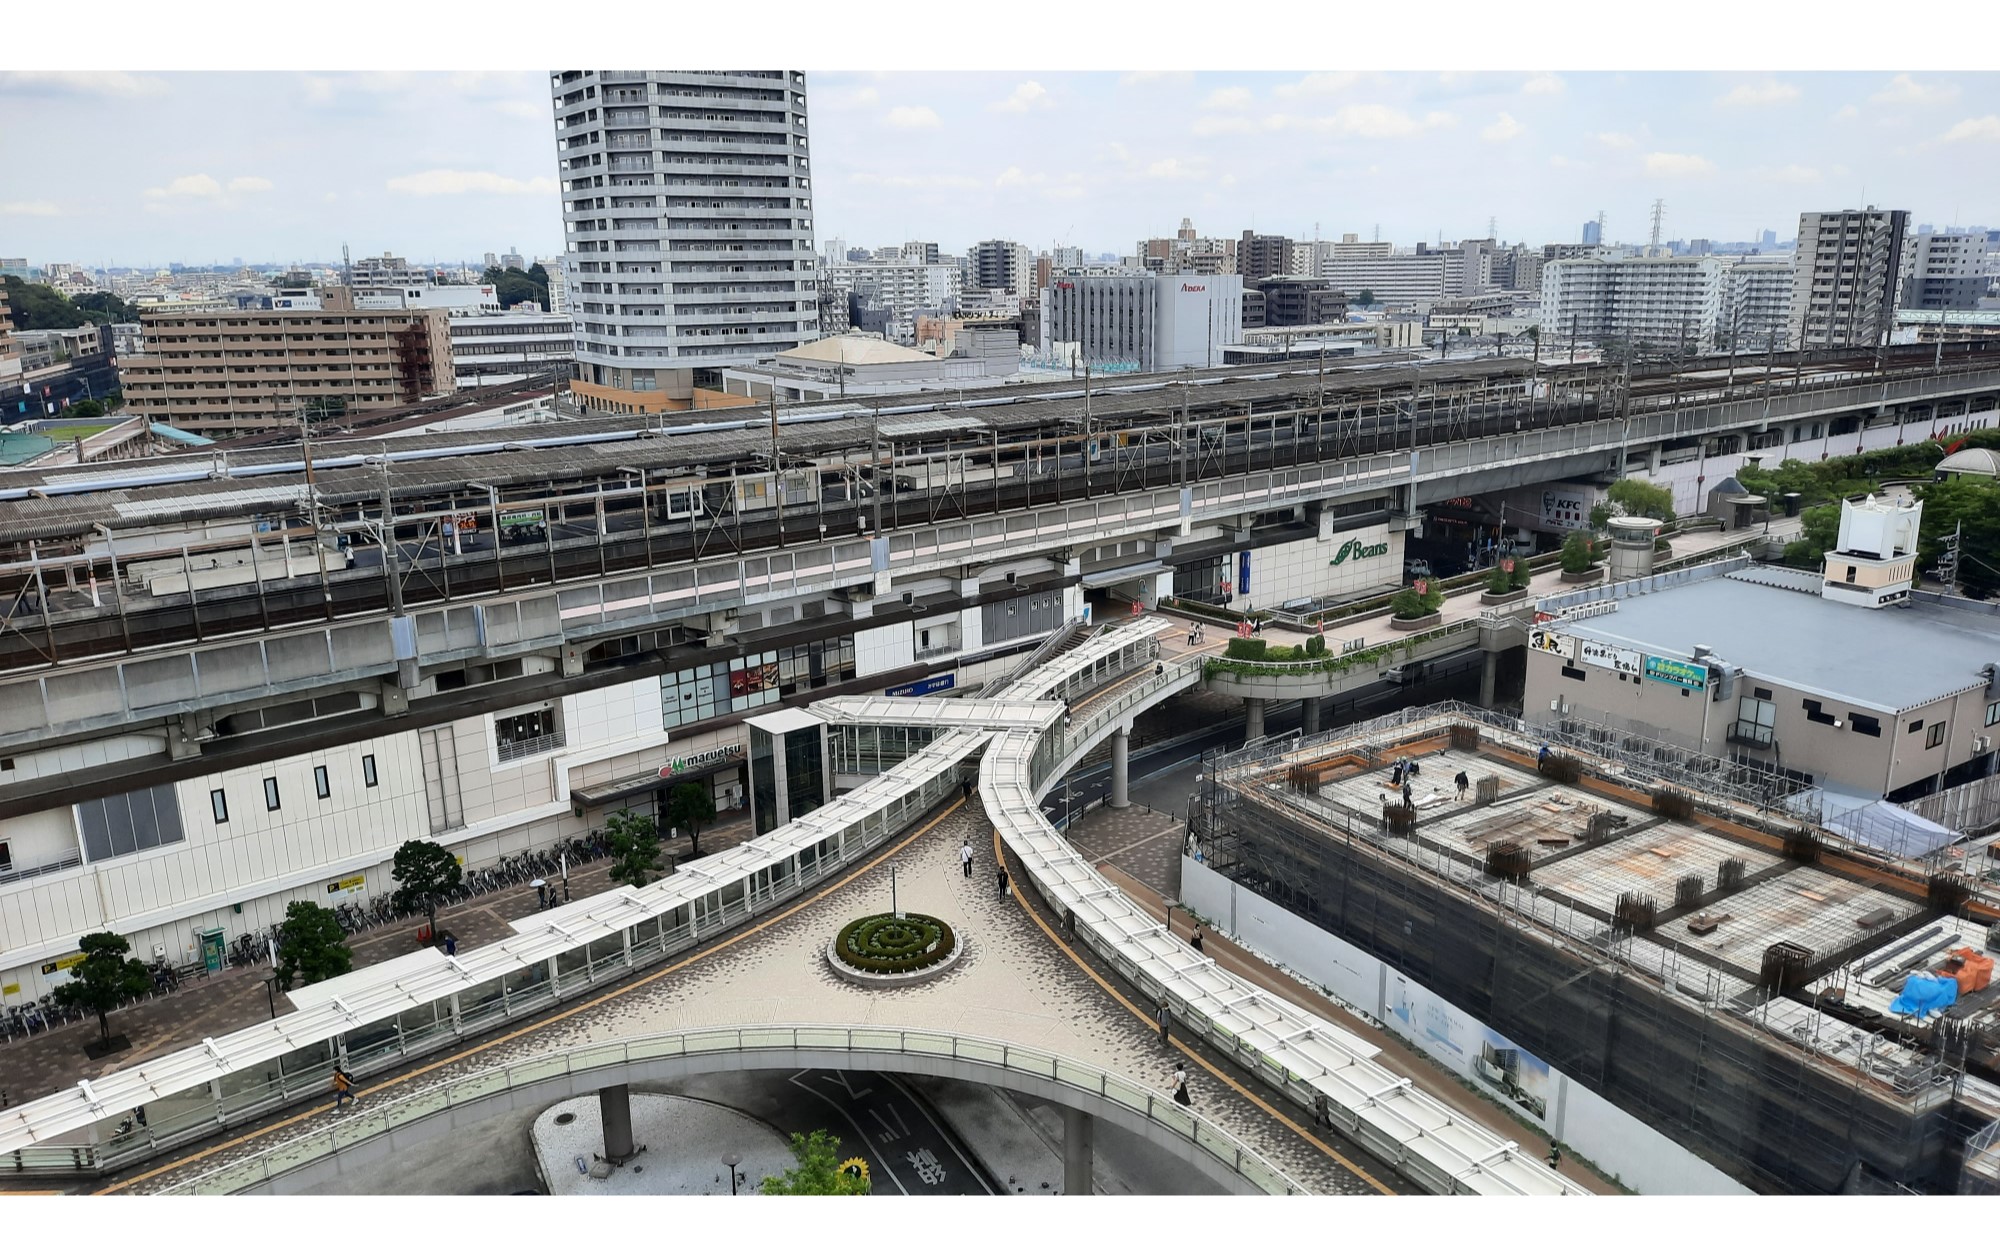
(924, 687)
(1679, 674)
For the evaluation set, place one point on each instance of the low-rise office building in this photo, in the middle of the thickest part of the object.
(1846, 679)
(1143, 322)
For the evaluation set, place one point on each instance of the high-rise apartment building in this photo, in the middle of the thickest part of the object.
(900, 291)
(687, 201)
(1944, 271)
(1844, 282)
(1408, 279)
(1593, 232)
(1003, 266)
(1665, 303)
(235, 371)
(1756, 303)
(1261, 257)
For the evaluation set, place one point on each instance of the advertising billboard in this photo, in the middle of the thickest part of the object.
(1548, 641)
(1679, 674)
(1469, 1046)
(1610, 657)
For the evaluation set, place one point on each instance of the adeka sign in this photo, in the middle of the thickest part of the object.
(1354, 548)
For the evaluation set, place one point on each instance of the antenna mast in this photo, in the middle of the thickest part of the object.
(1659, 214)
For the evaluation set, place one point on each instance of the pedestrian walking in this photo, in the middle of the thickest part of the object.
(1159, 669)
(965, 857)
(1000, 876)
(450, 945)
(343, 1088)
(1542, 758)
(1162, 1018)
(541, 892)
(1463, 783)
(1195, 941)
(1180, 1085)
(1555, 1156)
(1322, 1113)
(1409, 796)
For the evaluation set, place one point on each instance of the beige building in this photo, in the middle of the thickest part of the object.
(10, 349)
(1845, 678)
(236, 371)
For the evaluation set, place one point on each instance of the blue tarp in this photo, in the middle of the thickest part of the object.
(1924, 994)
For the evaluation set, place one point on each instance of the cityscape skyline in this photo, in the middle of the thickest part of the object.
(961, 157)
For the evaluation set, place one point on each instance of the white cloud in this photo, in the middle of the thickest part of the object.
(1543, 84)
(846, 100)
(913, 118)
(1792, 174)
(1317, 84)
(522, 109)
(1156, 77)
(1974, 129)
(1847, 113)
(1760, 94)
(1664, 163)
(77, 82)
(249, 184)
(330, 196)
(1503, 129)
(1210, 126)
(1377, 120)
(37, 207)
(1618, 141)
(1015, 176)
(921, 180)
(1903, 88)
(200, 185)
(1177, 169)
(1229, 98)
(1026, 98)
(445, 180)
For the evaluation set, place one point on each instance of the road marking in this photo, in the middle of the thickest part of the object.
(1146, 1018)
(518, 1032)
(1176, 828)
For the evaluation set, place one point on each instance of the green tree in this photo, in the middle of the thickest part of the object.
(1641, 498)
(38, 307)
(312, 945)
(1364, 298)
(635, 847)
(1576, 552)
(84, 408)
(817, 1172)
(1524, 575)
(1971, 505)
(424, 873)
(107, 977)
(514, 287)
(105, 307)
(690, 809)
(1820, 527)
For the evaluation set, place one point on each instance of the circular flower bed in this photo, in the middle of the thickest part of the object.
(888, 946)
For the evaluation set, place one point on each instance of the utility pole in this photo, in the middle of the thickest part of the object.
(1659, 214)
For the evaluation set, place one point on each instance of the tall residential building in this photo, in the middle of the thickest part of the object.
(1261, 257)
(1593, 232)
(558, 283)
(1409, 279)
(1667, 303)
(235, 371)
(1143, 321)
(1844, 282)
(1944, 271)
(10, 363)
(898, 292)
(999, 265)
(919, 251)
(687, 200)
(388, 271)
(1756, 303)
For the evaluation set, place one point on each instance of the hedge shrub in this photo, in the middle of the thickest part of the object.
(886, 946)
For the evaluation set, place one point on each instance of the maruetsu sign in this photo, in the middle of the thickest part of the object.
(701, 760)
(1353, 548)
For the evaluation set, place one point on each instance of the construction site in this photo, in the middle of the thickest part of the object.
(1681, 938)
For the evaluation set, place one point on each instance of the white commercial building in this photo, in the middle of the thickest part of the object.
(1143, 322)
(903, 289)
(687, 203)
(1670, 303)
(1944, 271)
(504, 346)
(1412, 279)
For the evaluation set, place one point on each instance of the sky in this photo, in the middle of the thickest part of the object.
(197, 167)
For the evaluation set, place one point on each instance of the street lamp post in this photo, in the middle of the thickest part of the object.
(732, 1160)
(893, 912)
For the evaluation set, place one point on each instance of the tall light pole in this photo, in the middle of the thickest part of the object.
(894, 913)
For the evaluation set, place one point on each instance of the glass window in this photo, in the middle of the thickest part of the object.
(218, 803)
(368, 770)
(271, 794)
(320, 786)
(1993, 714)
(522, 735)
(1935, 735)
(135, 821)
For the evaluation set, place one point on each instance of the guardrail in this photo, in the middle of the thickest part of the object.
(379, 1120)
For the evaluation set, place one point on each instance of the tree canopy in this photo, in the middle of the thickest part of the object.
(818, 1171)
(514, 287)
(690, 807)
(424, 872)
(38, 307)
(311, 946)
(107, 977)
(635, 847)
(1635, 497)
(1971, 504)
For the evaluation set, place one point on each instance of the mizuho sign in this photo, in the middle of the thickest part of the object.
(1355, 548)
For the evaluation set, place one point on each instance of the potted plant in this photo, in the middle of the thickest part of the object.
(1579, 559)
(1504, 580)
(1416, 607)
